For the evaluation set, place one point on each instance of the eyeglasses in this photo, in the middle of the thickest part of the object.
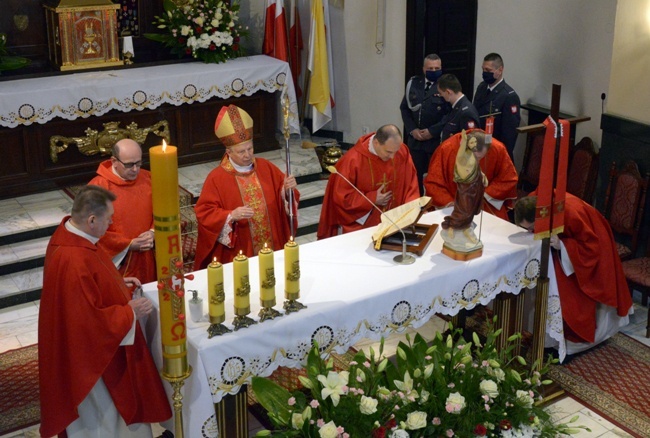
(129, 165)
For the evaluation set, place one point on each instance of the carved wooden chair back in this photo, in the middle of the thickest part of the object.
(624, 206)
(583, 170)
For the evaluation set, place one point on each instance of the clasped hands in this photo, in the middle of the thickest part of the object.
(246, 212)
(144, 242)
(421, 134)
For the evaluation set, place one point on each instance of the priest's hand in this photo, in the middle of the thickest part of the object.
(555, 241)
(240, 213)
(144, 242)
(383, 198)
(290, 182)
(141, 306)
(132, 281)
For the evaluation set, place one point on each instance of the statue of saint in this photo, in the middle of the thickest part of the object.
(458, 228)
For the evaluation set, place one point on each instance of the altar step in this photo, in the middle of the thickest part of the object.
(26, 223)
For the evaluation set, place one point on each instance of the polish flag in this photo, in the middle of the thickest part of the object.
(276, 43)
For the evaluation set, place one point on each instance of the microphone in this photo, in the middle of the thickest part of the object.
(403, 258)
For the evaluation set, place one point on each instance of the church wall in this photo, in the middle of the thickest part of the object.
(554, 41)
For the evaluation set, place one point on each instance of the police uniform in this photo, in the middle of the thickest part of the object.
(505, 100)
(462, 116)
(433, 109)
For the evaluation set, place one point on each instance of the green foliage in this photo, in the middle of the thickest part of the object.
(430, 389)
(205, 29)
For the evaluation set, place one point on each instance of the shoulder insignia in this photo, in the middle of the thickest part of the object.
(513, 109)
(470, 124)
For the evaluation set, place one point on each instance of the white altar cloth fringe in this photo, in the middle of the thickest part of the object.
(81, 95)
(352, 292)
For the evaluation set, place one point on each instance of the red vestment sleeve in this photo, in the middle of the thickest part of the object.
(439, 183)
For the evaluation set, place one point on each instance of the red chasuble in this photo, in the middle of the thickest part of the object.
(133, 216)
(83, 317)
(226, 189)
(598, 277)
(342, 205)
(496, 165)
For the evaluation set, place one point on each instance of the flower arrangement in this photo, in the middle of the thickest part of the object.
(448, 388)
(10, 62)
(205, 29)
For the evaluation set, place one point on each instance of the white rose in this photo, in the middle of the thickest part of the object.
(416, 420)
(489, 388)
(328, 431)
(214, 22)
(297, 421)
(499, 374)
(399, 433)
(199, 21)
(524, 398)
(185, 30)
(455, 403)
(368, 405)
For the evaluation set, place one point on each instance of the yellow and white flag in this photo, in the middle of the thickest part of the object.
(321, 85)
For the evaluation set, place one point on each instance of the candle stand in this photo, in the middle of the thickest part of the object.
(177, 384)
(291, 304)
(216, 327)
(267, 311)
(242, 321)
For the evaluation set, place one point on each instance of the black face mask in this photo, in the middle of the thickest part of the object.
(433, 75)
(488, 77)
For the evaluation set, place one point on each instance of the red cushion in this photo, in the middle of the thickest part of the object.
(638, 270)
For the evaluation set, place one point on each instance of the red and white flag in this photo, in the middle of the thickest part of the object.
(295, 46)
(276, 43)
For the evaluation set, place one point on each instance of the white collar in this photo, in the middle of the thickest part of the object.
(241, 169)
(371, 146)
(78, 232)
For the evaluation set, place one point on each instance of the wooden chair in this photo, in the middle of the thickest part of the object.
(583, 170)
(529, 175)
(624, 206)
(637, 274)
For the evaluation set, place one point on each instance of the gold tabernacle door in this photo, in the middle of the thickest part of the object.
(418, 236)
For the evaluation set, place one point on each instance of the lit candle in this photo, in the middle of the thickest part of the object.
(291, 270)
(241, 285)
(267, 276)
(166, 212)
(216, 292)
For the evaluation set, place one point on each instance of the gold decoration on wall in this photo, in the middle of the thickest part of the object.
(21, 21)
(101, 142)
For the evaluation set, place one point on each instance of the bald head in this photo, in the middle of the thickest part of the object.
(127, 159)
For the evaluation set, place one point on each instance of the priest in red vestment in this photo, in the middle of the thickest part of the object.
(130, 238)
(380, 166)
(97, 377)
(587, 266)
(496, 165)
(244, 201)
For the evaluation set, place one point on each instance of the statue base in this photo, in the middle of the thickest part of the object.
(461, 255)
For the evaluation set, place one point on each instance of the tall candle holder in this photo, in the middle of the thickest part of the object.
(216, 299)
(242, 288)
(267, 284)
(292, 277)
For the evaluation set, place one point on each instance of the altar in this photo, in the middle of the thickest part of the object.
(352, 292)
(185, 96)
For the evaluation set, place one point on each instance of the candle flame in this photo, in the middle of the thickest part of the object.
(164, 146)
(265, 245)
(290, 238)
(214, 259)
(241, 252)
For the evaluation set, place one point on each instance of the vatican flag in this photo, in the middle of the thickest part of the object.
(320, 85)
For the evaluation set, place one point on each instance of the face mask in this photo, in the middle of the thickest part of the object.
(433, 75)
(488, 77)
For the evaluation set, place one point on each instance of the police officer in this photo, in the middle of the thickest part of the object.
(493, 95)
(463, 115)
(422, 109)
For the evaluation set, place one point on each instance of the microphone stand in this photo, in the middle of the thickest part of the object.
(404, 258)
(285, 114)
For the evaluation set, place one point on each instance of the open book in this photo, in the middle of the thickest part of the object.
(403, 216)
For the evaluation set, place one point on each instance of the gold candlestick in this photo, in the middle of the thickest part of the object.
(216, 298)
(267, 284)
(292, 277)
(242, 288)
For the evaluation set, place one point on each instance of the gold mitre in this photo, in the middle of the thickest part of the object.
(233, 126)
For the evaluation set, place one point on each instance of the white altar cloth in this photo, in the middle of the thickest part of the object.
(81, 95)
(352, 292)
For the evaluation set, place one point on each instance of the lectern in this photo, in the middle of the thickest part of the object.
(82, 34)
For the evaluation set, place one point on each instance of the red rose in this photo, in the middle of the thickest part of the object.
(199, 30)
(505, 424)
(235, 47)
(188, 51)
(480, 430)
(379, 433)
(181, 40)
(391, 423)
